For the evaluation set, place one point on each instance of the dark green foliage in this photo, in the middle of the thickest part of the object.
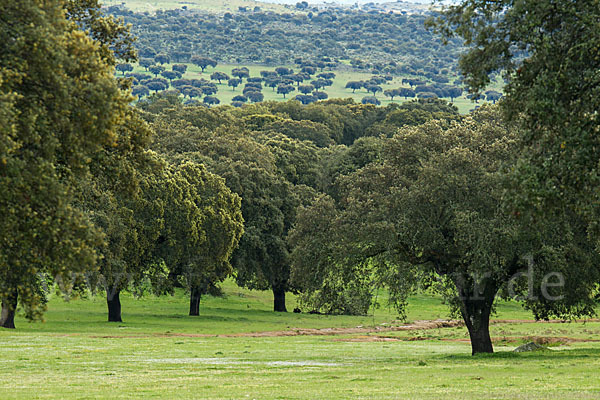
(234, 82)
(320, 95)
(181, 68)
(255, 97)
(371, 100)
(285, 89)
(203, 62)
(219, 76)
(211, 100)
(124, 67)
(354, 85)
(306, 89)
(140, 91)
(240, 73)
(170, 75)
(241, 98)
(305, 99)
(547, 51)
(156, 69)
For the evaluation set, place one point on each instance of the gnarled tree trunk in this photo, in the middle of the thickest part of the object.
(476, 300)
(279, 299)
(9, 308)
(195, 301)
(114, 305)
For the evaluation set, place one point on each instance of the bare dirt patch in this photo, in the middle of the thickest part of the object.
(360, 330)
(416, 325)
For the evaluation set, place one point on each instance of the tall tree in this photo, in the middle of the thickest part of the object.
(547, 50)
(203, 227)
(59, 105)
(432, 204)
(120, 195)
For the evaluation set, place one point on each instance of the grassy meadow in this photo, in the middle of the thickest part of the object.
(337, 90)
(160, 352)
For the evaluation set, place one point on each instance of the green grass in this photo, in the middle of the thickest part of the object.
(337, 90)
(159, 352)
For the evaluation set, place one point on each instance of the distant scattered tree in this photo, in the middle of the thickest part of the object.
(241, 98)
(377, 80)
(208, 90)
(140, 90)
(493, 95)
(475, 97)
(354, 85)
(255, 97)
(321, 83)
(234, 82)
(427, 95)
(219, 76)
(272, 82)
(327, 75)
(371, 100)
(181, 82)
(298, 78)
(211, 100)
(285, 89)
(255, 85)
(373, 89)
(305, 99)
(124, 67)
(191, 92)
(240, 73)
(320, 95)
(309, 70)
(203, 62)
(181, 68)
(156, 69)
(454, 92)
(391, 93)
(156, 86)
(170, 75)
(306, 89)
(281, 71)
(406, 93)
(268, 74)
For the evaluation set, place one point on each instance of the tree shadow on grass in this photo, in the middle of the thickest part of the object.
(540, 355)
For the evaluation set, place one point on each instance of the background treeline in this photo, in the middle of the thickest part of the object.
(386, 43)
